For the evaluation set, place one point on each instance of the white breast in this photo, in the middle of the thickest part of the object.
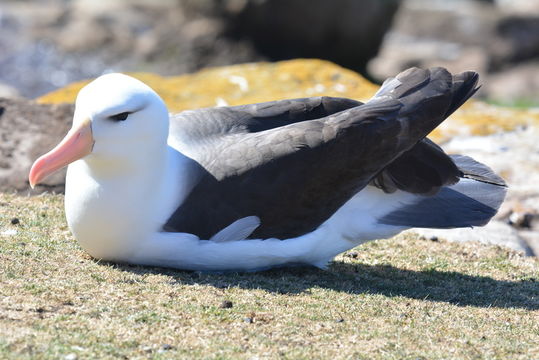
(109, 217)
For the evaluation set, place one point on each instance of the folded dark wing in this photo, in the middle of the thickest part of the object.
(294, 177)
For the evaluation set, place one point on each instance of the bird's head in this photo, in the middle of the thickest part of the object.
(115, 115)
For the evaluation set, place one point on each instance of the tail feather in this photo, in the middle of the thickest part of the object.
(472, 169)
(473, 201)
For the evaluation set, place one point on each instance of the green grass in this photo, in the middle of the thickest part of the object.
(402, 298)
(523, 103)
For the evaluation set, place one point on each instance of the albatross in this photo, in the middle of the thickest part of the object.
(247, 188)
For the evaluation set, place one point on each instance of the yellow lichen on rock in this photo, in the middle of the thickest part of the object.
(244, 84)
(480, 118)
(258, 82)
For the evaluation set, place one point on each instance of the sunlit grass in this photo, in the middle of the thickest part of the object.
(402, 298)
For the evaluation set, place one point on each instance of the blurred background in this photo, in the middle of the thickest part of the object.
(47, 44)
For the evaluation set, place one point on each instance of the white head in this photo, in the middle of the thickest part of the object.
(117, 118)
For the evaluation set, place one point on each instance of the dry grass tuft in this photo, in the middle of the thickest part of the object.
(403, 298)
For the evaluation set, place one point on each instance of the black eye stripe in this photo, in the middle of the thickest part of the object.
(120, 116)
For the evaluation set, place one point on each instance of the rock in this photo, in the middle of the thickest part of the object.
(477, 118)
(243, 84)
(46, 45)
(95, 36)
(496, 232)
(27, 130)
(42, 47)
(516, 39)
(400, 52)
(531, 237)
(348, 32)
(523, 220)
(165, 347)
(526, 7)
(7, 91)
(226, 304)
(514, 156)
(467, 35)
(427, 33)
(516, 86)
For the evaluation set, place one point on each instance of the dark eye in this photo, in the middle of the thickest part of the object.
(120, 116)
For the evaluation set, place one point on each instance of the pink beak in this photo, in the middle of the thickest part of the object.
(76, 144)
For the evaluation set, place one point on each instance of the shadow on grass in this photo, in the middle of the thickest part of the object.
(432, 285)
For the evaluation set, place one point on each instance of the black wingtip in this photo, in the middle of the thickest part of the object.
(464, 87)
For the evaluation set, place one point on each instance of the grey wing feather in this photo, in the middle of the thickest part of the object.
(198, 125)
(472, 169)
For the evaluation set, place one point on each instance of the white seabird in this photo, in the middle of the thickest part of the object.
(272, 184)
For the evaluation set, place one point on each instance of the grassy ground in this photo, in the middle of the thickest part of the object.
(403, 298)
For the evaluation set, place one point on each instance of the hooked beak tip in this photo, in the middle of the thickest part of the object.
(76, 144)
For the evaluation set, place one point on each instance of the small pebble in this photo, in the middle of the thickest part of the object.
(227, 304)
(167, 347)
(70, 357)
(521, 219)
(15, 221)
(341, 320)
(434, 238)
(248, 320)
(353, 254)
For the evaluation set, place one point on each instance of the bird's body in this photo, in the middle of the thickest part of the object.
(272, 184)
